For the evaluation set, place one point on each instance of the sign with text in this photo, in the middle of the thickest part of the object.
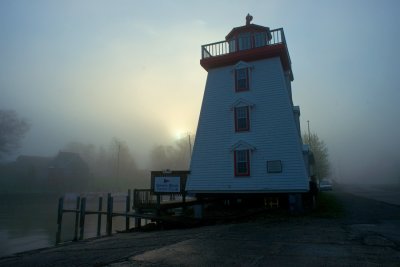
(167, 184)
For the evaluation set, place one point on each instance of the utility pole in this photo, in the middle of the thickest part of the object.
(309, 134)
(190, 148)
(119, 149)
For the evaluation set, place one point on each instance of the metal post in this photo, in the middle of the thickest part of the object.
(82, 218)
(99, 216)
(59, 219)
(78, 201)
(309, 134)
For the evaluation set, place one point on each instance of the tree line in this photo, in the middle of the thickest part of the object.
(79, 166)
(110, 167)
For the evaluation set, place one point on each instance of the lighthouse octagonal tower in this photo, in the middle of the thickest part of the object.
(248, 137)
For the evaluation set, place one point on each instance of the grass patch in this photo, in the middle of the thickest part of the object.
(328, 206)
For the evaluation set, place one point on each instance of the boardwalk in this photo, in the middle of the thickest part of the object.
(361, 238)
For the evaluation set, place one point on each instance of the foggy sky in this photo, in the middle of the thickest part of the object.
(93, 70)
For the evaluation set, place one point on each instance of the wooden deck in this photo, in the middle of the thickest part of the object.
(145, 199)
(145, 205)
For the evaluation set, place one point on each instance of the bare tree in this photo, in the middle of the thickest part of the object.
(12, 130)
(112, 167)
(125, 165)
(320, 151)
(174, 157)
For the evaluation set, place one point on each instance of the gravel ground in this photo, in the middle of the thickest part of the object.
(367, 235)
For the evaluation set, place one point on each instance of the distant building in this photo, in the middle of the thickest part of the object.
(68, 170)
(34, 167)
(248, 139)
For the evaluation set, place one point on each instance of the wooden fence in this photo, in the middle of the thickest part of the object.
(144, 205)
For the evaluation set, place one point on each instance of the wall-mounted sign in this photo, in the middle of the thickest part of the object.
(167, 184)
(274, 166)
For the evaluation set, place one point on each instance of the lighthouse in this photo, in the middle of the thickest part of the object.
(248, 138)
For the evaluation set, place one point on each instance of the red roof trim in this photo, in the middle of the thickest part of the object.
(248, 55)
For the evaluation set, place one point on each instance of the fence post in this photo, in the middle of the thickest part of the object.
(158, 204)
(184, 201)
(59, 219)
(78, 200)
(134, 200)
(138, 222)
(109, 213)
(128, 208)
(99, 216)
(82, 219)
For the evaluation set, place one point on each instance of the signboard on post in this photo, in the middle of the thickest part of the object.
(167, 184)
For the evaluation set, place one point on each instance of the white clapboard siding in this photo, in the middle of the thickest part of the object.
(274, 134)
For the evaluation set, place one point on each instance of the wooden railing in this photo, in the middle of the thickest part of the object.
(274, 37)
(146, 205)
(81, 211)
(143, 198)
(146, 199)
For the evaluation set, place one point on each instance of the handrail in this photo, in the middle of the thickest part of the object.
(143, 198)
(221, 48)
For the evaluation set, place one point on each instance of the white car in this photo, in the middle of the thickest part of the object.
(325, 185)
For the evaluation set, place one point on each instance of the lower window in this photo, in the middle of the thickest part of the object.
(242, 162)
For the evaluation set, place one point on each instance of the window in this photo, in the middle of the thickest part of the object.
(241, 158)
(232, 46)
(242, 79)
(242, 162)
(244, 41)
(260, 39)
(242, 119)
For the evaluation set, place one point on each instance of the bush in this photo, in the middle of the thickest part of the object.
(328, 206)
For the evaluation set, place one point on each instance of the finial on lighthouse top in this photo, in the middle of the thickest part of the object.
(249, 18)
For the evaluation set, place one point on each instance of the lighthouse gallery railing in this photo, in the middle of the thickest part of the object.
(227, 47)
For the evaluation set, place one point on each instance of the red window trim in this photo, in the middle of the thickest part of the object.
(247, 120)
(247, 165)
(247, 88)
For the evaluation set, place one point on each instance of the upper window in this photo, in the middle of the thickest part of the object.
(244, 41)
(242, 162)
(242, 79)
(260, 39)
(242, 119)
(232, 45)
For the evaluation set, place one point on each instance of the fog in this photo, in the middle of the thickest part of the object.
(96, 71)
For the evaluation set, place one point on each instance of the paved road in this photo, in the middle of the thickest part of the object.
(386, 193)
(367, 236)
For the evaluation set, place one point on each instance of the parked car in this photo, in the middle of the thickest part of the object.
(325, 185)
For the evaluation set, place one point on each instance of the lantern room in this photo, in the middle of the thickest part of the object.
(248, 43)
